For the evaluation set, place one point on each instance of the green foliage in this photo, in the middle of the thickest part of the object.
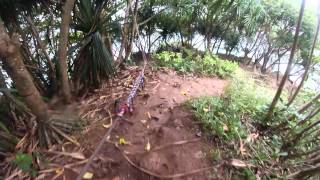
(189, 62)
(94, 62)
(215, 154)
(222, 115)
(24, 162)
(237, 116)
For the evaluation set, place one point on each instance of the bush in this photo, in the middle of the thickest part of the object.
(190, 62)
(223, 115)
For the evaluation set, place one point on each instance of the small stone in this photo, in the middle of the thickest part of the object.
(116, 178)
(178, 123)
(199, 155)
(199, 134)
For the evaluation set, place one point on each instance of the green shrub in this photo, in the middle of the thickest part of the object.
(239, 113)
(217, 118)
(223, 115)
(25, 163)
(189, 62)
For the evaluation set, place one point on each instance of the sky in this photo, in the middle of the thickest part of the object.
(310, 4)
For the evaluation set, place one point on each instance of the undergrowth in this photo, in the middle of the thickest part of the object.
(188, 61)
(237, 119)
(223, 115)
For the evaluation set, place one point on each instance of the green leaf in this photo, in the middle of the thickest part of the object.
(23, 161)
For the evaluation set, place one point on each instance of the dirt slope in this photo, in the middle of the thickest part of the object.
(158, 118)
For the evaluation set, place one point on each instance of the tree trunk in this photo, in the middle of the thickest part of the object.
(278, 72)
(307, 172)
(306, 72)
(219, 46)
(108, 43)
(263, 68)
(308, 104)
(62, 49)
(35, 32)
(208, 39)
(214, 45)
(11, 57)
(286, 75)
(311, 115)
(124, 32)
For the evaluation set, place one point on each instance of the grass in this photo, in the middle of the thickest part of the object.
(236, 119)
(223, 115)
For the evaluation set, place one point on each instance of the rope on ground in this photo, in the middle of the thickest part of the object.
(95, 153)
(179, 175)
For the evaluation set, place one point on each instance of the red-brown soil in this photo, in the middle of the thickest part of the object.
(159, 118)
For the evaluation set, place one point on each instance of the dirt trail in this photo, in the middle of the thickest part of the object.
(159, 119)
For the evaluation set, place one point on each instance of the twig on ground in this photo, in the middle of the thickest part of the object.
(95, 153)
(168, 145)
(179, 175)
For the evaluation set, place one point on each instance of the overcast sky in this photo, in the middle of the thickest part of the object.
(310, 4)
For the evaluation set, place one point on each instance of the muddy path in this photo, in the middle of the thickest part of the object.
(162, 138)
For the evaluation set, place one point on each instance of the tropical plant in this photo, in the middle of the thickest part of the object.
(94, 62)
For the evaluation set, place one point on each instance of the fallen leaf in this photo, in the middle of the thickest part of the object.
(88, 175)
(225, 127)
(239, 163)
(106, 125)
(76, 155)
(252, 137)
(148, 146)
(143, 121)
(184, 93)
(242, 149)
(116, 178)
(205, 109)
(122, 141)
(102, 97)
(58, 170)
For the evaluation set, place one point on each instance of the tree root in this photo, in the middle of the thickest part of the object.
(49, 132)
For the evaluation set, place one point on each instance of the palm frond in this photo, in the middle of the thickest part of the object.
(94, 64)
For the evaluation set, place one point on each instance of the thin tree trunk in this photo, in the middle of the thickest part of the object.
(219, 46)
(307, 172)
(63, 48)
(35, 32)
(124, 31)
(286, 75)
(134, 30)
(208, 43)
(278, 72)
(310, 116)
(149, 39)
(306, 72)
(297, 137)
(309, 104)
(264, 68)
(255, 42)
(11, 57)
(108, 43)
(214, 45)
